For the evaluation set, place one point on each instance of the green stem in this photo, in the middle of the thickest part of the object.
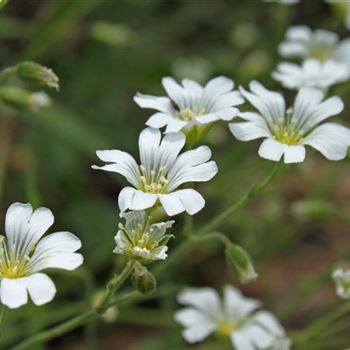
(114, 284)
(85, 317)
(214, 235)
(258, 187)
(3, 315)
(185, 247)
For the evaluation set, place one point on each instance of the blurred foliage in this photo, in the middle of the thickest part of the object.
(104, 52)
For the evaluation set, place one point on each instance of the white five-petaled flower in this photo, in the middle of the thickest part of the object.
(161, 171)
(341, 277)
(302, 42)
(141, 240)
(287, 132)
(311, 73)
(23, 255)
(191, 103)
(236, 317)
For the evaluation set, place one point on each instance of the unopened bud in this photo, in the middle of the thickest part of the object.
(143, 279)
(239, 260)
(35, 73)
(22, 99)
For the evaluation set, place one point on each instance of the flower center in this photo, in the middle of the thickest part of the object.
(286, 130)
(140, 238)
(225, 328)
(320, 52)
(153, 181)
(11, 266)
(187, 114)
(345, 284)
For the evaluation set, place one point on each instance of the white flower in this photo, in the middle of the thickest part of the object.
(322, 45)
(312, 73)
(141, 240)
(161, 172)
(287, 132)
(236, 317)
(190, 103)
(23, 255)
(341, 277)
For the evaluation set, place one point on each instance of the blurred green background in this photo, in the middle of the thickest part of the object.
(106, 51)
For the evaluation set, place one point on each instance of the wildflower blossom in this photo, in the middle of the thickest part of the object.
(161, 171)
(236, 317)
(23, 255)
(302, 42)
(311, 73)
(141, 240)
(287, 132)
(190, 103)
(341, 277)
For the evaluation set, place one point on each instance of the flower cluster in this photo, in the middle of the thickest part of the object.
(326, 59)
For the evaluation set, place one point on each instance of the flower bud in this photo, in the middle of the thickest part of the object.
(32, 72)
(143, 279)
(22, 99)
(239, 260)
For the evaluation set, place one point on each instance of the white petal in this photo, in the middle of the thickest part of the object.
(158, 120)
(40, 221)
(241, 340)
(171, 204)
(218, 86)
(13, 292)
(40, 288)
(57, 251)
(236, 304)
(186, 161)
(142, 200)
(199, 173)
(294, 154)
(175, 125)
(269, 322)
(247, 131)
(270, 104)
(326, 109)
(174, 91)
(124, 164)
(204, 299)
(192, 87)
(169, 149)
(189, 316)
(149, 141)
(261, 337)
(191, 200)
(271, 149)
(16, 222)
(227, 114)
(125, 198)
(207, 118)
(198, 325)
(162, 104)
(331, 139)
(229, 99)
